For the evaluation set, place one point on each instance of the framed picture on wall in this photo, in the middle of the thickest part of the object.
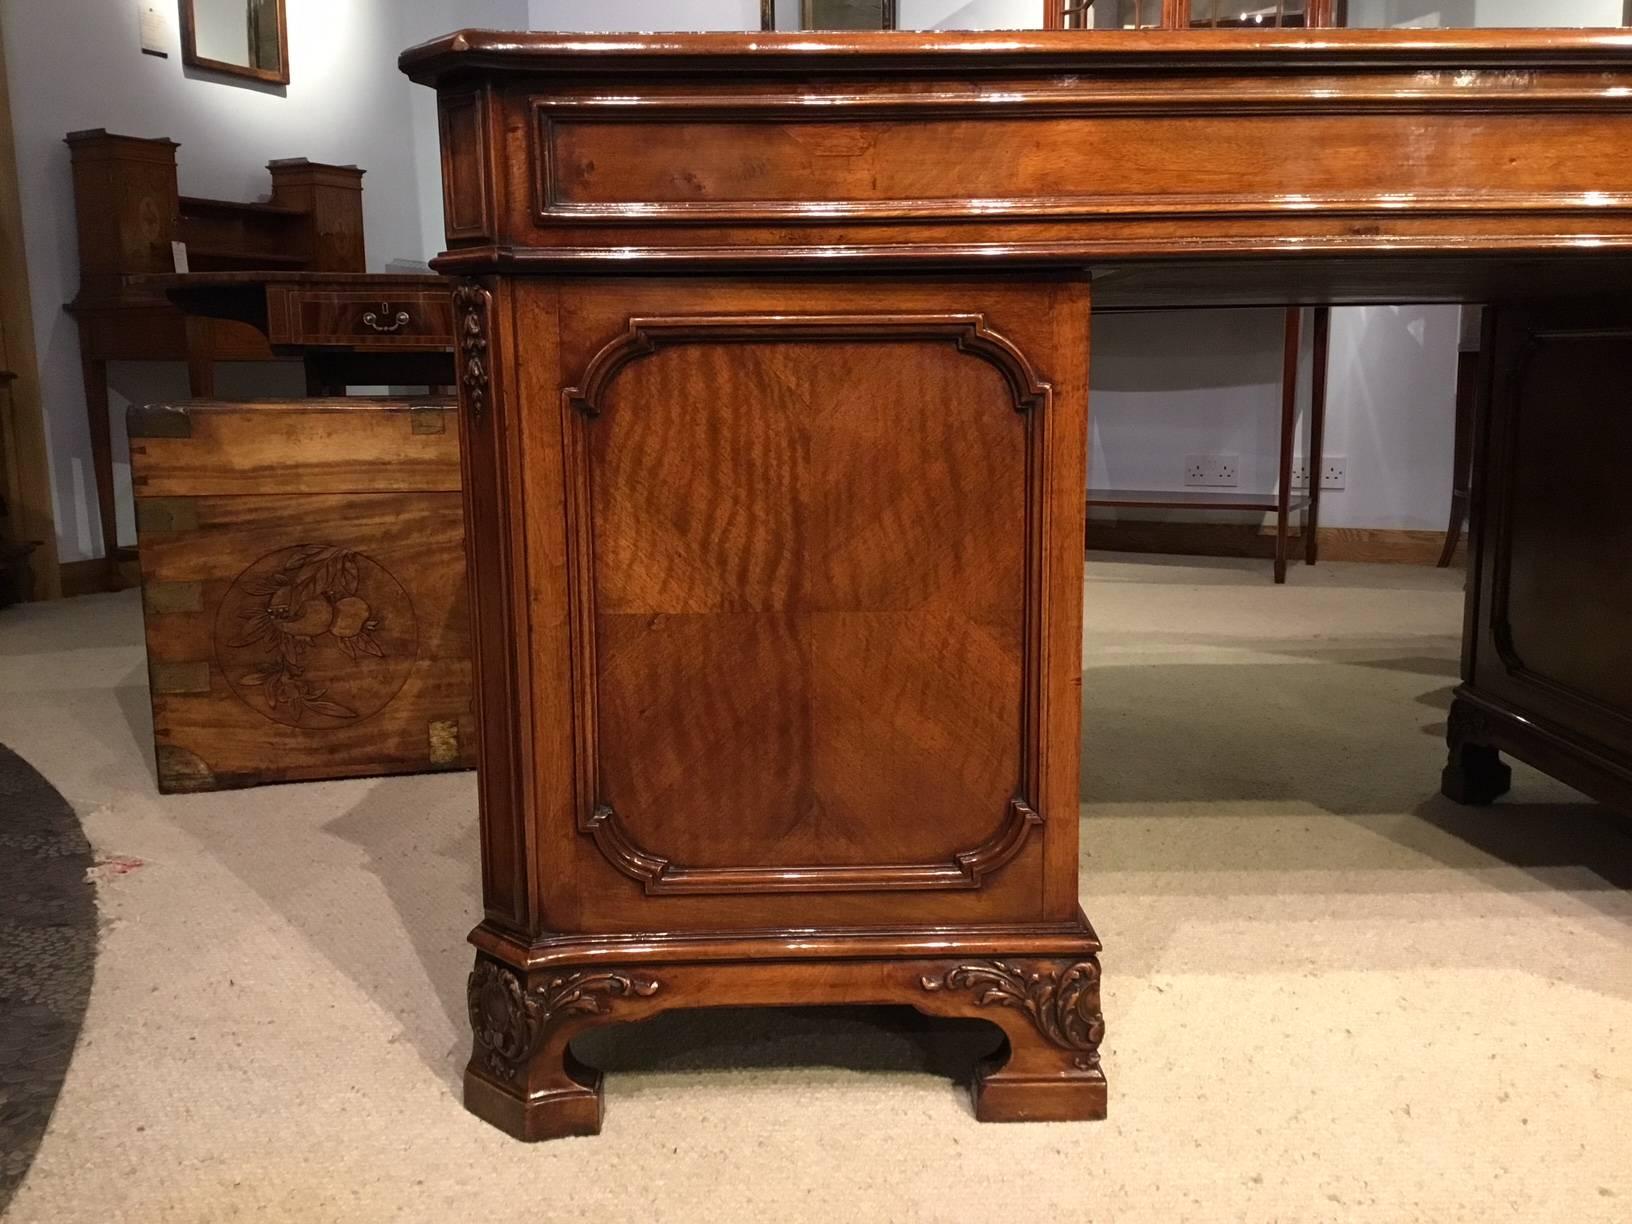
(246, 38)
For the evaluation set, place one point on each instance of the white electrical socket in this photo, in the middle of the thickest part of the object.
(1334, 472)
(1212, 471)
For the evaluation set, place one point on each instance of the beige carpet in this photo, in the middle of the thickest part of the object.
(1331, 996)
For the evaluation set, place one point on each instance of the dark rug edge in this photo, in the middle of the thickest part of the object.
(48, 928)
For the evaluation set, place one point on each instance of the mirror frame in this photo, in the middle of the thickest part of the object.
(767, 14)
(270, 76)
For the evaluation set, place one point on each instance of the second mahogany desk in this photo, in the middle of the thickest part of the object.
(773, 362)
(348, 328)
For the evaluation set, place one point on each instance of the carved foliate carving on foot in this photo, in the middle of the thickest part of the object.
(508, 1020)
(1062, 1003)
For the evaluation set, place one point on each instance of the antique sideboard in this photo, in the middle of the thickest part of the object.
(773, 361)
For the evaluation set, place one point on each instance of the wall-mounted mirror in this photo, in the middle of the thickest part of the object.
(248, 38)
(827, 14)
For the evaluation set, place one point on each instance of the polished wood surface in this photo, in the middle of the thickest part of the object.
(776, 565)
(1102, 147)
(303, 589)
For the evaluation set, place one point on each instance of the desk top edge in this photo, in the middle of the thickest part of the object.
(898, 50)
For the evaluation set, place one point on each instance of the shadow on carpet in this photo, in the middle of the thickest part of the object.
(47, 951)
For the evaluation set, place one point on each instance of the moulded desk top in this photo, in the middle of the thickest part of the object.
(1185, 166)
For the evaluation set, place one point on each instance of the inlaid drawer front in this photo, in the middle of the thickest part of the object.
(417, 319)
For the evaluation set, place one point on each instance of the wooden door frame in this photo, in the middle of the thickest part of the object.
(25, 477)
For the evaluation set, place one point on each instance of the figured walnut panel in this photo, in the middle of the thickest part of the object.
(814, 584)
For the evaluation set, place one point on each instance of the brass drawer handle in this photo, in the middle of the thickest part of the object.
(398, 321)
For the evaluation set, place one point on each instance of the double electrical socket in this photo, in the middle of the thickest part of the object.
(1212, 471)
(1224, 472)
(1334, 472)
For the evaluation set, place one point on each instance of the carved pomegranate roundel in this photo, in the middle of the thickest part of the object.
(316, 636)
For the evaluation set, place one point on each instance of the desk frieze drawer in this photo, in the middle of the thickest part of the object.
(319, 317)
(855, 157)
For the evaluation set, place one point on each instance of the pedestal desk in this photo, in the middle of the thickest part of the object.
(773, 360)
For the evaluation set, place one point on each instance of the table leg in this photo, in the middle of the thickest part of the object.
(94, 372)
(1467, 374)
(1289, 417)
(1317, 431)
(200, 358)
(321, 380)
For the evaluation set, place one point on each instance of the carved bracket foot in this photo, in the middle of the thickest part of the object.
(522, 1076)
(1049, 1011)
(1474, 774)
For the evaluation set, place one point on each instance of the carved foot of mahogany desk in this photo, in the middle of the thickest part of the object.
(524, 1078)
(1475, 774)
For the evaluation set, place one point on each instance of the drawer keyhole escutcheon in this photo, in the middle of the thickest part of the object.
(375, 320)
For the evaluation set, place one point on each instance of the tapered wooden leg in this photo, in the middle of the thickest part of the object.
(1289, 416)
(200, 357)
(94, 373)
(1320, 368)
(1474, 773)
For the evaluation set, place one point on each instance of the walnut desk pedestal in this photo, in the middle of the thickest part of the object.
(773, 364)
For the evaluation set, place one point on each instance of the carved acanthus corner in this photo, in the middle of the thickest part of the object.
(1062, 1002)
(509, 1020)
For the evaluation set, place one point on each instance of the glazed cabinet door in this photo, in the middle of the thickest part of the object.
(805, 562)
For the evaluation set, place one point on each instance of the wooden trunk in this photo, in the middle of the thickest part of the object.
(303, 584)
